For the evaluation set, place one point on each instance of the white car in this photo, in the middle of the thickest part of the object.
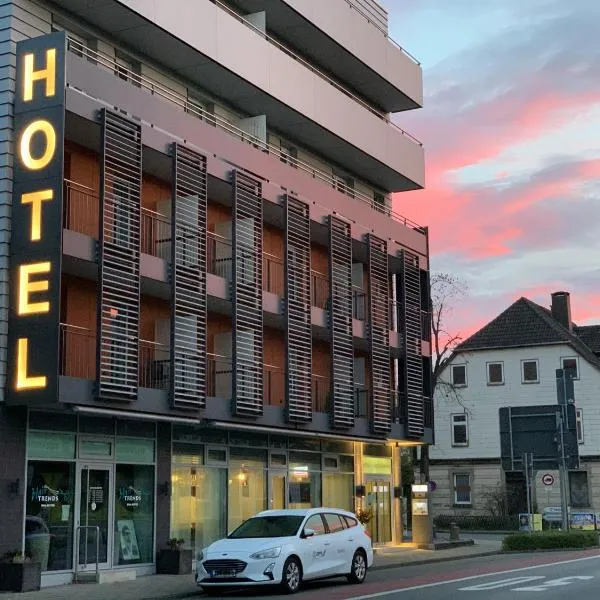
(287, 547)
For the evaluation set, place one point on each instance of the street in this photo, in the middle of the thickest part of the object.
(551, 576)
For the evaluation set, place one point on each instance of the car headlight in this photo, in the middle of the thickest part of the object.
(270, 553)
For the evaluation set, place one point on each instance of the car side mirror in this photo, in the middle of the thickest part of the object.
(308, 533)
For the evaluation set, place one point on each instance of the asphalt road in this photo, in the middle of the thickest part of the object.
(547, 576)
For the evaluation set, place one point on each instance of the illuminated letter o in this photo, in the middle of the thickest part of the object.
(39, 126)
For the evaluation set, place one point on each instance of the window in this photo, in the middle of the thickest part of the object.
(350, 521)
(495, 373)
(316, 524)
(579, 421)
(289, 154)
(462, 488)
(128, 68)
(529, 371)
(334, 523)
(331, 463)
(460, 436)
(216, 456)
(571, 363)
(459, 375)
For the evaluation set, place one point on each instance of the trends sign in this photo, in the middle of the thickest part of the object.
(36, 241)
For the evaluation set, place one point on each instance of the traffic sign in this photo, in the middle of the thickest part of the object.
(548, 479)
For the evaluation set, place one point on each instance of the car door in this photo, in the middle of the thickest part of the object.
(336, 550)
(354, 536)
(312, 549)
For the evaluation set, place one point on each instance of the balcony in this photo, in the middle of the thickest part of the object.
(359, 304)
(273, 279)
(155, 234)
(319, 290)
(361, 402)
(77, 352)
(154, 365)
(219, 373)
(219, 256)
(273, 386)
(321, 393)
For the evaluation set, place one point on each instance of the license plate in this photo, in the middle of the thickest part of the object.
(223, 574)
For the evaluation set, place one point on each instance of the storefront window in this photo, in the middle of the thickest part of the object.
(338, 490)
(305, 480)
(247, 484)
(134, 514)
(49, 516)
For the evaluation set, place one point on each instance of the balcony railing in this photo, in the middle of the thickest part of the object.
(321, 393)
(184, 103)
(273, 385)
(155, 234)
(81, 209)
(218, 255)
(154, 365)
(218, 376)
(77, 352)
(361, 401)
(319, 290)
(273, 274)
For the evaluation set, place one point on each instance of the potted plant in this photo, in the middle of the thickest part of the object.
(364, 516)
(18, 573)
(174, 559)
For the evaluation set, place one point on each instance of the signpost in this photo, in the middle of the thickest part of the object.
(548, 479)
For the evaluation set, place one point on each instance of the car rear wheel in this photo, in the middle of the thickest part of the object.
(292, 575)
(358, 569)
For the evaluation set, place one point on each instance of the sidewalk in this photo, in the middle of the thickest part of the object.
(167, 587)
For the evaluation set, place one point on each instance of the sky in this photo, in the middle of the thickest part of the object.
(511, 129)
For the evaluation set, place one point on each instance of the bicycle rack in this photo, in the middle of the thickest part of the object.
(77, 539)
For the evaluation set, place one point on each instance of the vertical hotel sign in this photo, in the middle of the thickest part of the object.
(36, 238)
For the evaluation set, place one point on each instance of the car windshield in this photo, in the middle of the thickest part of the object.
(268, 527)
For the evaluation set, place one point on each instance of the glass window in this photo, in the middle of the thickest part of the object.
(377, 465)
(278, 459)
(377, 450)
(97, 425)
(304, 444)
(338, 447)
(460, 435)
(216, 456)
(134, 514)
(459, 375)
(462, 488)
(529, 371)
(50, 445)
(347, 463)
(268, 527)
(135, 450)
(350, 521)
(131, 428)
(188, 454)
(315, 522)
(579, 420)
(338, 490)
(52, 421)
(578, 481)
(331, 463)
(198, 512)
(495, 373)
(247, 484)
(304, 489)
(571, 364)
(305, 461)
(334, 523)
(49, 514)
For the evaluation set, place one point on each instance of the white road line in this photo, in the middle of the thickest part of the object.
(470, 578)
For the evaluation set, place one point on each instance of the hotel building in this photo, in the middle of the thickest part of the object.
(209, 305)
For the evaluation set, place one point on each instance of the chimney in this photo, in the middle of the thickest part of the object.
(561, 309)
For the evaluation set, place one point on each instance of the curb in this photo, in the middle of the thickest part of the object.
(549, 550)
(428, 561)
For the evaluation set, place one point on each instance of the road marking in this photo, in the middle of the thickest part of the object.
(472, 578)
(546, 585)
(493, 585)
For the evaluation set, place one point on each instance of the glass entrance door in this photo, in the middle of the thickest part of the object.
(95, 491)
(277, 490)
(378, 501)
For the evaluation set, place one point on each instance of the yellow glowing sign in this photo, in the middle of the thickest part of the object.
(47, 130)
(36, 199)
(27, 287)
(24, 381)
(30, 75)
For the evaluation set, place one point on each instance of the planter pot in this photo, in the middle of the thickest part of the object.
(20, 577)
(174, 562)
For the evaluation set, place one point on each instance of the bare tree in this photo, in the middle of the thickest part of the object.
(446, 290)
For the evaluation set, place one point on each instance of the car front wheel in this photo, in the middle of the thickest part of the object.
(358, 569)
(292, 575)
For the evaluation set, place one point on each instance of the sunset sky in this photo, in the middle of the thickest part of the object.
(511, 128)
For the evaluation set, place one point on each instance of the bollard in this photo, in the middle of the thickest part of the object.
(454, 531)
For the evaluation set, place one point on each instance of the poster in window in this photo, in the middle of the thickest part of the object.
(129, 545)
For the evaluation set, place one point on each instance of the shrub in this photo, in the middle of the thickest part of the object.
(550, 540)
(478, 522)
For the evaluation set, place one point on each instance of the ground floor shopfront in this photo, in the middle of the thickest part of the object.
(113, 491)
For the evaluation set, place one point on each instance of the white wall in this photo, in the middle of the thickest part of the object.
(482, 401)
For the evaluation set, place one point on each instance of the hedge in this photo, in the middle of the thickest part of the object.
(478, 522)
(550, 540)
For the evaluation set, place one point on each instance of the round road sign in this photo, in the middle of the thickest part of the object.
(548, 479)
